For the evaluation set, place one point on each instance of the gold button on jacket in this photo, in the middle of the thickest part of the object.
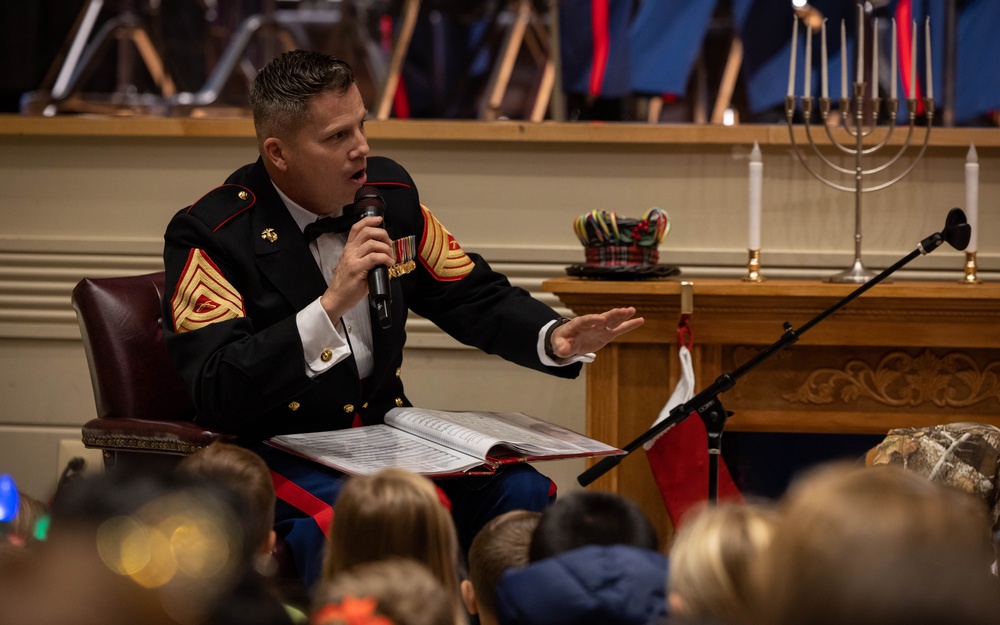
(349, 408)
(399, 402)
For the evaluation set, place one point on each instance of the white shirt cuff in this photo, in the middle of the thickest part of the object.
(323, 345)
(561, 362)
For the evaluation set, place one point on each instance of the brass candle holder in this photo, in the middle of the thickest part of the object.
(970, 276)
(753, 267)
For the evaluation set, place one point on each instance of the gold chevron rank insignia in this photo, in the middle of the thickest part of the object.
(203, 295)
(440, 253)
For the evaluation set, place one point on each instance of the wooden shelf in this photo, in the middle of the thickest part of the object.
(625, 134)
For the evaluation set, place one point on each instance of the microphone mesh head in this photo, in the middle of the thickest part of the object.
(957, 231)
(368, 202)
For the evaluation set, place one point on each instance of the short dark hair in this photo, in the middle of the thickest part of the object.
(247, 475)
(501, 544)
(591, 518)
(279, 95)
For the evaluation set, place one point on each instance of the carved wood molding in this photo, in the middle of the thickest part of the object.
(954, 380)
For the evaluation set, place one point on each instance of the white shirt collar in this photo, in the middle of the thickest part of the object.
(302, 216)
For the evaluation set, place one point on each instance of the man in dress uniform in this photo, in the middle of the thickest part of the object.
(268, 310)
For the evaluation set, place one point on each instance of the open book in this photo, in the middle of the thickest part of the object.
(440, 443)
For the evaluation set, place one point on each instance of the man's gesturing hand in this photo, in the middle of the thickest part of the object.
(590, 333)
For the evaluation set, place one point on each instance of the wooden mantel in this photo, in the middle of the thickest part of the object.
(904, 354)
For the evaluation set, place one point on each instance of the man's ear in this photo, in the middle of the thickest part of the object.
(274, 153)
(469, 597)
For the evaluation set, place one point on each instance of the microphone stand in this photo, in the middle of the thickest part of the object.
(707, 404)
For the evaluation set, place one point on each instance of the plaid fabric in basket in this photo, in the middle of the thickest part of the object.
(622, 255)
(611, 240)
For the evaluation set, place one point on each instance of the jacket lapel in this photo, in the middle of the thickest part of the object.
(283, 256)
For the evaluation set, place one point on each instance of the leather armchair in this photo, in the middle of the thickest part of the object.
(144, 412)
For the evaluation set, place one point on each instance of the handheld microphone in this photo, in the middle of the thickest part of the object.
(369, 203)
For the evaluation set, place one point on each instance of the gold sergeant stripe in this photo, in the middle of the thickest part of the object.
(440, 253)
(203, 295)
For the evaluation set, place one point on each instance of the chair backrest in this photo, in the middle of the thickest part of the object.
(121, 323)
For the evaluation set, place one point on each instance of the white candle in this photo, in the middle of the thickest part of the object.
(875, 59)
(972, 196)
(913, 60)
(756, 175)
(843, 60)
(807, 70)
(791, 63)
(861, 45)
(826, 91)
(892, 93)
(927, 52)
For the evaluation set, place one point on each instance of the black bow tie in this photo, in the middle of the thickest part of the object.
(328, 224)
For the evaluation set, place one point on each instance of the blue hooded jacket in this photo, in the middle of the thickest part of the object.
(600, 585)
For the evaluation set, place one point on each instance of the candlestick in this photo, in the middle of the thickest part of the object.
(756, 180)
(875, 60)
(913, 60)
(972, 197)
(969, 270)
(822, 34)
(892, 89)
(927, 52)
(807, 70)
(843, 61)
(753, 267)
(860, 77)
(791, 63)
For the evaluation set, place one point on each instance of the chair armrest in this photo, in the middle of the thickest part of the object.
(128, 434)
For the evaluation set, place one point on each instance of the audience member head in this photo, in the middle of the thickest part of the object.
(878, 545)
(711, 560)
(395, 591)
(502, 544)
(394, 513)
(965, 456)
(281, 91)
(132, 546)
(591, 518)
(245, 474)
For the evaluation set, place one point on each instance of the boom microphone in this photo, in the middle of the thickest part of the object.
(956, 233)
(368, 202)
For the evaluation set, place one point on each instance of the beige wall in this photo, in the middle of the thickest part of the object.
(87, 199)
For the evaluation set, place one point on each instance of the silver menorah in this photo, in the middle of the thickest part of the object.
(852, 122)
